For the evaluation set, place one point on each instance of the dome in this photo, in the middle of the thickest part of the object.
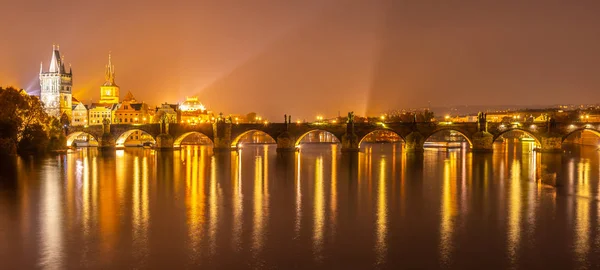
(191, 104)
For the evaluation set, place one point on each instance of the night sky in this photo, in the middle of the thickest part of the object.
(313, 57)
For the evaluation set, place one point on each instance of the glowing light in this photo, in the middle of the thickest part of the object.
(447, 117)
(382, 117)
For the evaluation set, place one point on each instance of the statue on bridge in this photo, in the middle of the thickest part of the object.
(350, 118)
(551, 124)
(106, 125)
(482, 122)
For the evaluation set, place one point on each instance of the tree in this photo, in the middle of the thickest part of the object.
(34, 140)
(24, 125)
(251, 117)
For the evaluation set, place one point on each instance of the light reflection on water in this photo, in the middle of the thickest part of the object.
(318, 208)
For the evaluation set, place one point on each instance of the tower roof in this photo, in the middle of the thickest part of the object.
(129, 97)
(109, 74)
(57, 64)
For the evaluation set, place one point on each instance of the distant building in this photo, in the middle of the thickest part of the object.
(193, 112)
(132, 112)
(99, 111)
(79, 113)
(109, 91)
(171, 110)
(56, 86)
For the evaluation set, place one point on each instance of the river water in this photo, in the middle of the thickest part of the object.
(318, 208)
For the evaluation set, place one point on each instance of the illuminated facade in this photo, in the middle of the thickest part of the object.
(132, 112)
(56, 86)
(99, 112)
(171, 110)
(193, 112)
(79, 113)
(109, 91)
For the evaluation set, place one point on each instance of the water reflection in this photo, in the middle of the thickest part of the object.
(380, 208)
(52, 238)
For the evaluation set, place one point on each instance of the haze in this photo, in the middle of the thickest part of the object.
(306, 58)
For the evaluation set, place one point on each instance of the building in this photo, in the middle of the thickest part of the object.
(79, 113)
(171, 110)
(109, 91)
(99, 111)
(132, 112)
(56, 83)
(193, 112)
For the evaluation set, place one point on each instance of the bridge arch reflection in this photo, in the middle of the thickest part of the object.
(323, 136)
(449, 130)
(584, 129)
(71, 138)
(251, 137)
(139, 136)
(381, 136)
(202, 139)
(518, 130)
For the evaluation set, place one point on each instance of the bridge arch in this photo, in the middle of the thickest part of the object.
(180, 138)
(380, 131)
(462, 133)
(537, 140)
(236, 140)
(581, 129)
(120, 140)
(73, 136)
(301, 137)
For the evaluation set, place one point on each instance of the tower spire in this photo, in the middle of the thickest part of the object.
(55, 61)
(110, 71)
(41, 67)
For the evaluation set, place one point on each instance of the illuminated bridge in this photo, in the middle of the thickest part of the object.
(480, 135)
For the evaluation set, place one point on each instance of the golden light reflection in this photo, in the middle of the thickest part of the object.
(449, 208)
(141, 214)
(257, 234)
(238, 198)
(108, 211)
(298, 221)
(51, 231)
(333, 197)
(195, 197)
(582, 220)
(514, 212)
(382, 219)
(213, 207)
(319, 208)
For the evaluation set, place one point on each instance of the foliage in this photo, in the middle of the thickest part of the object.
(24, 125)
(251, 117)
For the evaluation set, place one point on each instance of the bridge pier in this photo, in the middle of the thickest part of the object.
(483, 142)
(350, 143)
(551, 143)
(414, 142)
(107, 142)
(285, 142)
(222, 136)
(164, 141)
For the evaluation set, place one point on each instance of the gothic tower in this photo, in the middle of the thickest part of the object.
(56, 86)
(109, 91)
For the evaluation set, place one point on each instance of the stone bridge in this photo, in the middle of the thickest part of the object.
(548, 136)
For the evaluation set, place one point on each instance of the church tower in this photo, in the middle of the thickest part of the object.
(109, 91)
(56, 86)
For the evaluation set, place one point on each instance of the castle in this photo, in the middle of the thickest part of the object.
(56, 86)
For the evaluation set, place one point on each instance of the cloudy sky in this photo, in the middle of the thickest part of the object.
(311, 57)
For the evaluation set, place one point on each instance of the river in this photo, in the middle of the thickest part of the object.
(314, 209)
